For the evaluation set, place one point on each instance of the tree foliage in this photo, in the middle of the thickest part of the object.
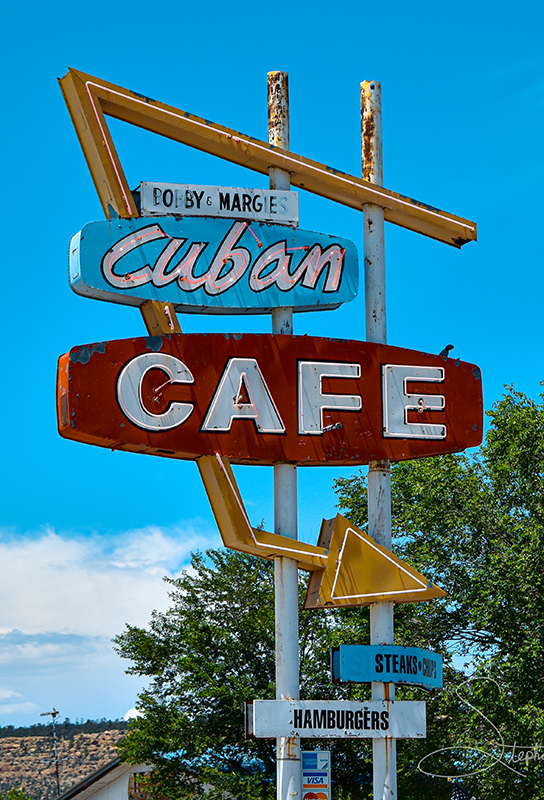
(66, 729)
(15, 794)
(474, 524)
(212, 651)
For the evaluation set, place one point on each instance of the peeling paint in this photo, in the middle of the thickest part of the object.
(292, 748)
(278, 109)
(371, 146)
(154, 343)
(144, 97)
(84, 353)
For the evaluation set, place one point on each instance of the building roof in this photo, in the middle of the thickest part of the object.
(102, 777)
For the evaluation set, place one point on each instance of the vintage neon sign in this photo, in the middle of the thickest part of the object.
(264, 399)
(90, 100)
(359, 663)
(265, 205)
(209, 265)
(359, 571)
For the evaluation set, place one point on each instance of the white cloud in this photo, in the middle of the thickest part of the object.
(28, 652)
(18, 708)
(17, 704)
(63, 597)
(79, 675)
(91, 585)
(154, 550)
(132, 713)
(6, 693)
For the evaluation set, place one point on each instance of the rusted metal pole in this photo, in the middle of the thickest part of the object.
(288, 767)
(384, 753)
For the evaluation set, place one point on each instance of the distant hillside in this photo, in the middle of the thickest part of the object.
(27, 756)
(66, 729)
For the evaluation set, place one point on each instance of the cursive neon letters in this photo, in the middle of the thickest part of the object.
(179, 261)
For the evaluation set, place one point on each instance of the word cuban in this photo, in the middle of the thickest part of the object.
(330, 719)
(277, 264)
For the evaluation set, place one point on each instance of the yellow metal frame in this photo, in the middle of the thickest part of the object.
(160, 318)
(234, 525)
(360, 572)
(342, 573)
(89, 99)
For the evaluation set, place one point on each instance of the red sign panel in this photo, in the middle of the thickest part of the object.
(264, 399)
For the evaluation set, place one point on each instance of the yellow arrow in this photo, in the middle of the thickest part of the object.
(235, 527)
(360, 572)
(348, 567)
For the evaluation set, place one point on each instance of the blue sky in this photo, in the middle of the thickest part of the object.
(85, 534)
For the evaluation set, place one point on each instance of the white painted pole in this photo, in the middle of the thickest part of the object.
(288, 767)
(384, 751)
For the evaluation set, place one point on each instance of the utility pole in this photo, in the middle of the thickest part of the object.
(54, 714)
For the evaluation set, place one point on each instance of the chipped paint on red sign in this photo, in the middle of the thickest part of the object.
(265, 399)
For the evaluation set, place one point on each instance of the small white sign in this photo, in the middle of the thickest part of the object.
(336, 719)
(181, 199)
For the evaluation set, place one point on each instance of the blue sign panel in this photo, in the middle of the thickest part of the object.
(357, 663)
(213, 266)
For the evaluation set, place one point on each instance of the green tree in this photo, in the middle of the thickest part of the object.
(474, 525)
(15, 794)
(212, 651)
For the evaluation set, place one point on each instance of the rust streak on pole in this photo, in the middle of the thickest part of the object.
(288, 767)
(371, 132)
(373, 215)
(379, 472)
(278, 124)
